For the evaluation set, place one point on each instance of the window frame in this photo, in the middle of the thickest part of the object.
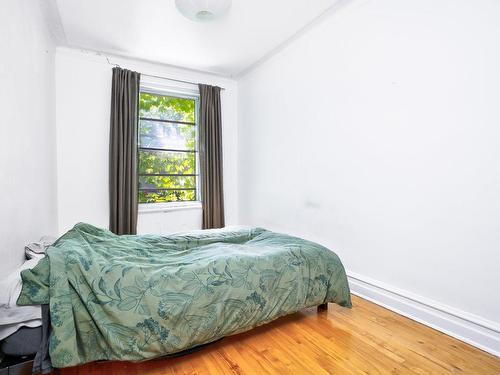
(177, 93)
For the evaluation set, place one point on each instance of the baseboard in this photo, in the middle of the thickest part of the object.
(472, 329)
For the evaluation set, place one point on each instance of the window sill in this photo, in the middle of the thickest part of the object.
(168, 207)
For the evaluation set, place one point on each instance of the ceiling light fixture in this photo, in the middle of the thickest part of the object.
(203, 10)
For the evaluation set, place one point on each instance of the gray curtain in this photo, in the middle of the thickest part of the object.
(123, 152)
(211, 157)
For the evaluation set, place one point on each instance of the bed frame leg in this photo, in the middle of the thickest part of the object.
(323, 307)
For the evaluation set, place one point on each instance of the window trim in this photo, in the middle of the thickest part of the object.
(186, 94)
(145, 208)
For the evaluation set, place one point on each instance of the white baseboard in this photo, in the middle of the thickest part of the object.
(472, 329)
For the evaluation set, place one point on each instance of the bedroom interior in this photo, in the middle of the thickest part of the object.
(250, 187)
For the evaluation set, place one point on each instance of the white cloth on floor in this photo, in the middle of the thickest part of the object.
(12, 316)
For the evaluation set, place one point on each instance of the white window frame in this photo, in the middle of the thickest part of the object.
(187, 92)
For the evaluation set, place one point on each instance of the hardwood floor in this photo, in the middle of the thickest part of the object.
(366, 339)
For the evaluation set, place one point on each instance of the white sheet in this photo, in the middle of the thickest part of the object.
(12, 316)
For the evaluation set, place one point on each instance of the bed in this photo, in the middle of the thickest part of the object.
(135, 298)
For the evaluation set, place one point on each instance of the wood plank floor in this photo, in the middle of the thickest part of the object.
(366, 339)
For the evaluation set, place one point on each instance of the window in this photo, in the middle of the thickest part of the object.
(168, 148)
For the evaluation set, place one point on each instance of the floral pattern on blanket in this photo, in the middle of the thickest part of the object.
(139, 297)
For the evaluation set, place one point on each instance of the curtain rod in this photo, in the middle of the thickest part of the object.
(160, 77)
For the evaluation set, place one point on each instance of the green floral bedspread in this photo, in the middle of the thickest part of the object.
(139, 297)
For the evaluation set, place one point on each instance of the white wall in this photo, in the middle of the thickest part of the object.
(377, 133)
(27, 130)
(83, 97)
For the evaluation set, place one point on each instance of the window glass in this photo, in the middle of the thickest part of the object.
(168, 154)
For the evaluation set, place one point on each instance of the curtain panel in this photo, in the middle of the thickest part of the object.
(123, 152)
(211, 157)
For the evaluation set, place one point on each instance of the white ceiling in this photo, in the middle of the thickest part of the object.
(154, 30)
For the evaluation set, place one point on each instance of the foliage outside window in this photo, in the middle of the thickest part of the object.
(167, 148)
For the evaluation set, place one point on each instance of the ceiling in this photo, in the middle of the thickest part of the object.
(154, 30)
